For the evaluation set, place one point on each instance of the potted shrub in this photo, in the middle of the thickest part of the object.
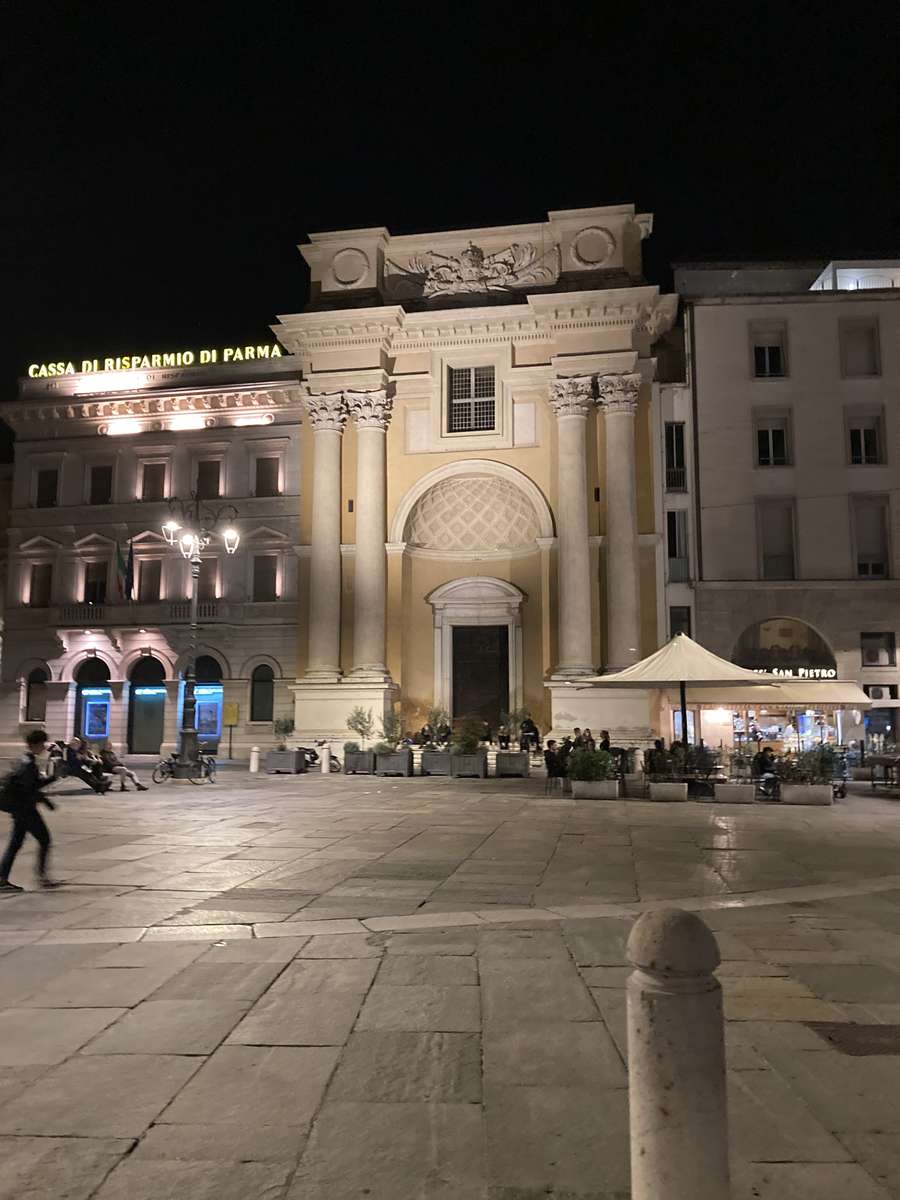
(359, 761)
(666, 766)
(806, 779)
(282, 761)
(511, 760)
(389, 760)
(593, 775)
(467, 757)
(436, 755)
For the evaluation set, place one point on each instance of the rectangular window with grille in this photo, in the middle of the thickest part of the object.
(865, 439)
(471, 399)
(676, 476)
(772, 441)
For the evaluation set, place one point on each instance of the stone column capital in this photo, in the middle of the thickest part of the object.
(371, 410)
(619, 393)
(326, 410)
(573, 396)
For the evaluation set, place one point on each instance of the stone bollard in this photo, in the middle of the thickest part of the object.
(326, 760)
(676, 1060)
(254, 759)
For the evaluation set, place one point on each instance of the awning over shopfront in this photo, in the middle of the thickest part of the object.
(815, 693)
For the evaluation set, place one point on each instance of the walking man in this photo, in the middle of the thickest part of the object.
(19, 796)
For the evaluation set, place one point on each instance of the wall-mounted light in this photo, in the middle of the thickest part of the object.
(232, 540)
(188, 421)
(120, 428)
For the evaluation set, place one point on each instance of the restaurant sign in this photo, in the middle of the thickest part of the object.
(799, 672)
(156, 362)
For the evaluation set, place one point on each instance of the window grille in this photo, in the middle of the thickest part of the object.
(471, 406)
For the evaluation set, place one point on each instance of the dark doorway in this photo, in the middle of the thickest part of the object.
(147, 710)
(92, 677)
(481, 671)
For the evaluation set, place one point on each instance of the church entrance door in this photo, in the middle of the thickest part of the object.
(481, 671)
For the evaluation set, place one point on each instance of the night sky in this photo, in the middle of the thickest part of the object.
(158, 174)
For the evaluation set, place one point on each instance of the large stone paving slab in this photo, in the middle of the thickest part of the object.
(37, 1167)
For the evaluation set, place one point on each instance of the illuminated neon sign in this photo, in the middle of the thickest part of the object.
(799, 672)
(157, 362)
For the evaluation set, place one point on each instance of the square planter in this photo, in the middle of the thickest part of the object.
(635, 786)
(435, 762)
(806, 793)
(468, 766)
(669, 791)
(512, 762)
(596, 789)
(285, 762)
(735, 793)
(359, 762)
(398, 762)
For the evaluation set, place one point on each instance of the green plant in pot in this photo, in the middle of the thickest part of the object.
(467, 738)
(283, 727)
(362, 723)
(390, 731)
(591, 766)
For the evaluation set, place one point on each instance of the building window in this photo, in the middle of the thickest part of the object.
(859, 349)
(776, 531)
(101, 484)
(262, 693)
(149, 580)
(676, 476)
(471, 399)
(880, 691)
(36, 695)
(208, 478)
(865, 438)
(769, 344)
(772, 442)
(266, 482)
(677, 545)
(95, 576)
(265, 569)
(153, 481)
(41, 585)
(679, 619)
(46, 485)
(870, 526)
(878, 649)
(208, 583)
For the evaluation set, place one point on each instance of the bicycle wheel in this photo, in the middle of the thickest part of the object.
(198, 774)
(162, 771)
(211, 770)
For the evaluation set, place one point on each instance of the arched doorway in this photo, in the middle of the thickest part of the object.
(262, 693)
(147, 706)
(209, 695)
(93, 700)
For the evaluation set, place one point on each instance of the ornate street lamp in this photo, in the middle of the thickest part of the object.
(191, 528)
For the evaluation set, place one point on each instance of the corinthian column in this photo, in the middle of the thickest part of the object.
(327, 415)
(372, 411)
(618, 397)
(572, 400)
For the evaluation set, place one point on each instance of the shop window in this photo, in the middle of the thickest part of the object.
(46, 487)
(878, 649)
(101, 484)
(866, 438)
(209, 472)
(262, 693)
(677, 545)
(679, 619)
(149, 580)
(859, 349)
(95, 577)
(266, 482)
(36, 695)
(776, 532)
(208, 583)
(870, 525)
(676, 475)
(153, 481)
(471, 399)
(41, 585)
(265, 571)
(769, 345)
(880, 691)
(772, 441)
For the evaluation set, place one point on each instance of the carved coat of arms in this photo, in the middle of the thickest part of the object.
(473, 271)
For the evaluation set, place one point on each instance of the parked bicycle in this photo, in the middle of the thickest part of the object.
(204, 772)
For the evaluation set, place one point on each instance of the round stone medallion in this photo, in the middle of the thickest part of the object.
(594, 246)
(349, 266)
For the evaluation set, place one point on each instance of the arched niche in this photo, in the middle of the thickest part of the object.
(783, 644)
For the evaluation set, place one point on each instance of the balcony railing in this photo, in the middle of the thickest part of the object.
(82, 613)
(676, 479)
(207, 610)
(679, 570)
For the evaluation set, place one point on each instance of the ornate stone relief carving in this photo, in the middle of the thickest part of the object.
(372, 410)
(619, 393)
(593, 246)
(573, 397)
(477, 513)
(472, 271)
(327, 410)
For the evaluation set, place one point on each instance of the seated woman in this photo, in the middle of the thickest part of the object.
(80, 764)
(113, 766)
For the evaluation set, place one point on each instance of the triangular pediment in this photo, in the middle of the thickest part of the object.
(149, 538)
(264, 533)
(94, 540)
(40, 543)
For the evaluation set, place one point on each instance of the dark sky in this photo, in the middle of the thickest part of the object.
(160, 165)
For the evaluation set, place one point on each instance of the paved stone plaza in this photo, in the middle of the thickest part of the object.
(329, 988)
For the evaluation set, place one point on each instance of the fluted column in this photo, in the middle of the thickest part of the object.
(572, 400)
(327, 415)
(618, 397)
(372, 412)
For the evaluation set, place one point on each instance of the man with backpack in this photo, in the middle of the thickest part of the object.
(20, 794)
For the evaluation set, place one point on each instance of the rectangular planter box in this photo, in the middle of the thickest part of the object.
(285, 762)
(468, 766)
(860, 774)
(359, 762)
(435, 762)
(806, 793)
(735, 793)
(399, 762)
(596, 789)
(635, 786)
(512, 762)
(669, 791)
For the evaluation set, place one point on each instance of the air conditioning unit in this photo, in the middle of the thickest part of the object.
(875, 693)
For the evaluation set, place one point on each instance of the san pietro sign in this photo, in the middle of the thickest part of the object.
(156, 362)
